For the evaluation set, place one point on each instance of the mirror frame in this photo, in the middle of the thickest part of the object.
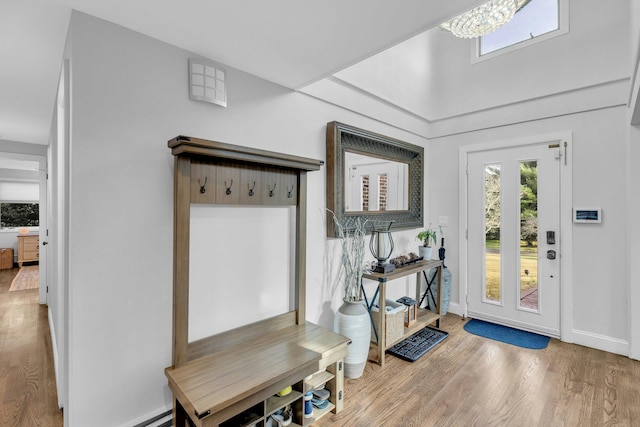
(341, 138)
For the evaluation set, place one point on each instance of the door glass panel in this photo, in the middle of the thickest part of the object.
(492, 282)
(529, 235)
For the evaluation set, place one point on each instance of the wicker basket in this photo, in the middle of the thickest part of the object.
(6, 258)
(394, 323)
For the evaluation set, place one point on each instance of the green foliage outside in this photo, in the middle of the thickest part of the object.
(528, 202)
(19, 214)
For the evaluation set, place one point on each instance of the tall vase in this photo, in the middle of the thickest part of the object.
(352, 320)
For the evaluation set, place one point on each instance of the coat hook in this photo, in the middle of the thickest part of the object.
(203, 187)
(289, 192)
(228, 188)
(271, 190)
(251, 193)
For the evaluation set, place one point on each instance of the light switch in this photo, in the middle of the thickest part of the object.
(443, 221)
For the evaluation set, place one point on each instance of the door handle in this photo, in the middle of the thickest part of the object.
(551, 254)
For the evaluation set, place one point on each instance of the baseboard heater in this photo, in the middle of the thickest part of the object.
(151, 422)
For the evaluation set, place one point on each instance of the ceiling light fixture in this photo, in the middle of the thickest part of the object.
(483, 19)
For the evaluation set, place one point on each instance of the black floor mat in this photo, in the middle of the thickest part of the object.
(415, 346)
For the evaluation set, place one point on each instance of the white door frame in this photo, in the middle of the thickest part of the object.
(566, 225)
(43, 230)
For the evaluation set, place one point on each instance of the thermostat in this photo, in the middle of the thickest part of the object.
(593, 215)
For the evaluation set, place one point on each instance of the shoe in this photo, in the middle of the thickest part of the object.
(322, 394)
(284, 391)
(308, 405)
(282, 418)
(320, 404)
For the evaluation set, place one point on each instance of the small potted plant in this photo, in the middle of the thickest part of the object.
(426, 236)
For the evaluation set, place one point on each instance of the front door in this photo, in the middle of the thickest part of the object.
(513, 237)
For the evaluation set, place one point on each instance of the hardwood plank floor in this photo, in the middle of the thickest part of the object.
(472, 381)
(28, 394)
(465, 381)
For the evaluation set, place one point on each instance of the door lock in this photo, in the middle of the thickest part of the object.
(551, 237)
(551, 254)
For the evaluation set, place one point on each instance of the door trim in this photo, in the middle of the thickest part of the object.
(566, 226)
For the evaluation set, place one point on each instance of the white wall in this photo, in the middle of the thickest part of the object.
(633, 180)
(595, 51)
(129, 98)
(431, 76)
(599, 262)
(578, 82)
(9, 239)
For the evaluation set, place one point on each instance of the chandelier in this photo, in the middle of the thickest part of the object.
(483, 19)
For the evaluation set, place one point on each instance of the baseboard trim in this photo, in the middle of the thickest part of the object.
(601, 342)
(158, 418)
(54, 351)
(455, 308)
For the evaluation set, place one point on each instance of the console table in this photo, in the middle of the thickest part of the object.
(231, 378)
(425, 317)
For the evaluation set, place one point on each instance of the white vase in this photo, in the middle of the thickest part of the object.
(425, 252)
(352, 320)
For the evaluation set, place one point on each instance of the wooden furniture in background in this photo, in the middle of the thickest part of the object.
(28, 248)
(6, 258)
(230, 378)
(425, 317)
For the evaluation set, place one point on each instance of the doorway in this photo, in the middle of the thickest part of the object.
(512, 199)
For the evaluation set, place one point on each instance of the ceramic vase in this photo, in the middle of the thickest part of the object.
(425, 252)
(352, 320)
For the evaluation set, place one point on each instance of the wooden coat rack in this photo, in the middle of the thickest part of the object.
(211, 172)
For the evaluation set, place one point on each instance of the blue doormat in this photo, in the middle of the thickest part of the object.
(506, 334)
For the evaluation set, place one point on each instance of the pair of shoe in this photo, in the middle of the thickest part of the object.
(320, 398)
(280, 418)
(321, 393)
(320, 403)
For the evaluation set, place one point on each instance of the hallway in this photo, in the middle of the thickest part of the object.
(28, 394)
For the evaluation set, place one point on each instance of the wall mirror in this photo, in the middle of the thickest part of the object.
(372, 177)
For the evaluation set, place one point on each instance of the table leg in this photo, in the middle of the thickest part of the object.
(439, 305)
(382, 325)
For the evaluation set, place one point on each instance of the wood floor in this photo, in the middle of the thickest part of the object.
(465, 381)
(27, 380)
(473, 381)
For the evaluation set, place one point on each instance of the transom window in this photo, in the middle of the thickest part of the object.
(536, 21)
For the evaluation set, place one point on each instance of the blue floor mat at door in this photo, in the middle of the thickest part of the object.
(506, 334)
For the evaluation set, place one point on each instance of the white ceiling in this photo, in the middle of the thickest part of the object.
(289, 42)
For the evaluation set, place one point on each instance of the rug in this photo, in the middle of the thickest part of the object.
(506, 334)
(415, 346)
(27, 278)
